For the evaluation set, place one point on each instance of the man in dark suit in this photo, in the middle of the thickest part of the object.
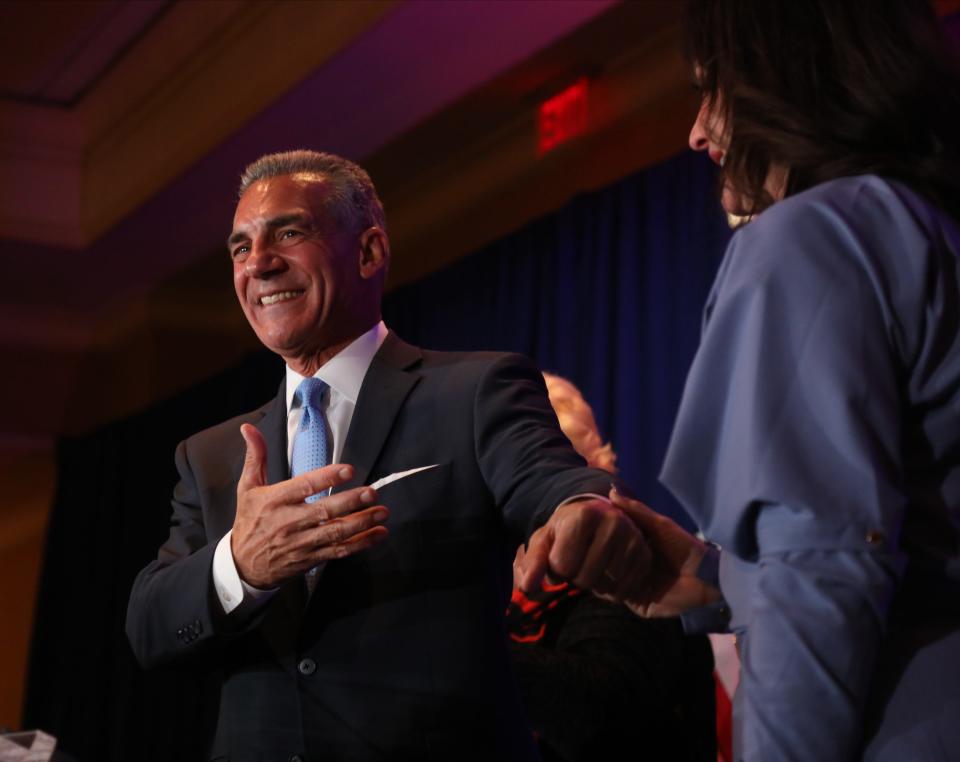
(366, 621)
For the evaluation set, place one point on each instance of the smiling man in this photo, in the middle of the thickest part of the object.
(340, 558)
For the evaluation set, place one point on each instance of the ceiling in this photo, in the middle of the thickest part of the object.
(53, 61)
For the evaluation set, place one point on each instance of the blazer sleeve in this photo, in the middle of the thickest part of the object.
(526, 461)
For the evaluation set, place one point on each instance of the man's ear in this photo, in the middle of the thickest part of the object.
(374, 253)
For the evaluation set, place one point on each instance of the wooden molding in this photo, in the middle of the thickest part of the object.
(202, 71)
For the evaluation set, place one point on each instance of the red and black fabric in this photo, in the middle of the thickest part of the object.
(601, 683)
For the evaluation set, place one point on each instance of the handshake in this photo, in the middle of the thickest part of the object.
(620, 550)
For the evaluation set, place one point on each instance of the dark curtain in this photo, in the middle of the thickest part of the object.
(607, 291)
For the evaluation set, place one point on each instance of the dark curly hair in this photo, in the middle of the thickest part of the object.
(830, 88)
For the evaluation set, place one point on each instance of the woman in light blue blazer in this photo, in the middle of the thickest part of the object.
(818, 440)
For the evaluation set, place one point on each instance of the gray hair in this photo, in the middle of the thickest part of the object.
(353, 200)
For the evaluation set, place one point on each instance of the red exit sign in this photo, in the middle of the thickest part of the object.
(563, 117)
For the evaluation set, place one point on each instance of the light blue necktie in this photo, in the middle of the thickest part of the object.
(311, 442)
(310, 445)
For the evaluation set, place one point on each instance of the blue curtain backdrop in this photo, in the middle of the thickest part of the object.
(608, 292)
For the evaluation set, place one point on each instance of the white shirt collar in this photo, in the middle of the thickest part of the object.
(344, 372)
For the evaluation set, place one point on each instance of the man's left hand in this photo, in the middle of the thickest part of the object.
(590, 543)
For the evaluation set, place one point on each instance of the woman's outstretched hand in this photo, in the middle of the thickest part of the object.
(671, 586)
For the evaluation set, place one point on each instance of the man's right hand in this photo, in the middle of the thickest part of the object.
(277, 535)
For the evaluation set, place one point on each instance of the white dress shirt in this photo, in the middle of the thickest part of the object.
(344, 374)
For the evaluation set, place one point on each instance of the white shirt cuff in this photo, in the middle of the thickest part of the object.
(585, 496)
(231, 590)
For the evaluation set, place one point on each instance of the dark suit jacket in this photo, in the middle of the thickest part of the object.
(401, 652)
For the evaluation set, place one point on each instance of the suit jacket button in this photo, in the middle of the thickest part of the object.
(307, 667)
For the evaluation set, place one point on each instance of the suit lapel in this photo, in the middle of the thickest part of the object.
(386, 385)
(384, 389)
(273, 426)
